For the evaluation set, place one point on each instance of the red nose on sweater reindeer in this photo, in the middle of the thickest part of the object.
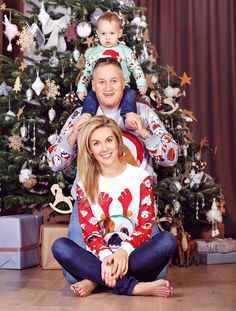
(108, 220)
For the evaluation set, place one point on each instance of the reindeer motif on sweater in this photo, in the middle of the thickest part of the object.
(123, 215)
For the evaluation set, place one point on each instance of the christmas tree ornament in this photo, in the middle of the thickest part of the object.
(70, 32)
(176, 92)
(11, 31)
(185, 79)
(154, 79)
(26, 39)
(10, 114)
(214, 216)
(95, 15)
(17, 86)
(84, 29)
(4, 89)
(3, 6)
(30, 183)
(62, 75)
(38, 85)
(189, 114)
(197, 210)
(59, 197)
(51, 114)
(43, 15)
(169, 91)
(23, 66)
(51, 89)
(53, 138)
(54, 60)
(34, 140)
(23, 132)
(20, 111)
(76, 54)
(15, 142)
(37, 34)
(176, 205)
(89, 41)
(29, 94)
(126, 3)
(26, 177)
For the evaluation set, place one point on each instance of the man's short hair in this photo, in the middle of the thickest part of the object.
(106, 61)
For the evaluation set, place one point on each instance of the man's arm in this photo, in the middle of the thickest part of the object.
(64, 150)
(159, 143)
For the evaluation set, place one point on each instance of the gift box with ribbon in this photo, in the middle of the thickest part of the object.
(19, 241)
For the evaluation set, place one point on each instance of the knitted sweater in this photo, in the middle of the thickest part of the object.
(160, 146)
(122, 216)
(123, 54)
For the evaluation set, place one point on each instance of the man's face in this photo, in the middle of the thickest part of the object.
(108, 83)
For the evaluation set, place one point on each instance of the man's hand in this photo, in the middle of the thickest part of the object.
(142, 90)
(134, 122)
(84, 118)
(82, 95)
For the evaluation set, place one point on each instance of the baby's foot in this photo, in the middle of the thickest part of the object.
(159, 288)
(83, 288)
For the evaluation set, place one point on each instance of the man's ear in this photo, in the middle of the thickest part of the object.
(93, 88)
(120, 33)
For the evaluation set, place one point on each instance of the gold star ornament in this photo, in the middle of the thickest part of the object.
(89, 41)
(20, 111)
(170, 70)
(23, 66)
(3, 6)
(185, 79)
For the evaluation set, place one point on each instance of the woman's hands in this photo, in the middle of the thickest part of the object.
(114, 267)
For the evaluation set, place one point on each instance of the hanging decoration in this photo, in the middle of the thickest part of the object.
(70, 32)
(26, 177)
(76, 54)
(54, 28)
(51, 89)
(29, 94)
(23, 66)
(26, 39)
(9, 113)
(4, 89)
(54, 60)
(15, 142)
(11, 31)
(84, 29)
(51, 114)
(214, 216)
(59, 197)
(23, 132)
(185, 79)
(34, 140)
(38, 85)
(20, 111)
(17, 86)
(89, 41)
(37, 34)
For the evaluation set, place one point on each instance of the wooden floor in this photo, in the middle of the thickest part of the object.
(207, 287)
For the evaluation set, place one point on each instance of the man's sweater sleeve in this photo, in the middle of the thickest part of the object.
(90, 228)
(145, 220)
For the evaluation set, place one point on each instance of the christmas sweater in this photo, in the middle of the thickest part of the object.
(159, 147)
(122, 216)
(123, 54)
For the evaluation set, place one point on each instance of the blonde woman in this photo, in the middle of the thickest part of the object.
(116, 214)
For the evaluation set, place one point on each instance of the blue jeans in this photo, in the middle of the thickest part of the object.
(75, 234)
(145, 262)
(128, 102)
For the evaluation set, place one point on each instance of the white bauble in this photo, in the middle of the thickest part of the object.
(23, 131)
(38, 86)
(52, 139)
(154, 79)
(84, 29)
(169, 91)
(176, 92)
(29, 94)
(76, 54)
(51, 114)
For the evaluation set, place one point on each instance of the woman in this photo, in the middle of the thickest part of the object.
(116, 213)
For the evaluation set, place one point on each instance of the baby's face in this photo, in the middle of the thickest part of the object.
(108, 33)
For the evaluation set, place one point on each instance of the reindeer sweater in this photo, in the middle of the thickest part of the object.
(123, 215)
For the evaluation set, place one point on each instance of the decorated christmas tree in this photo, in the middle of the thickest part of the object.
(38, 93)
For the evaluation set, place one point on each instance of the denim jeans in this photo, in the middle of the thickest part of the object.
(75, 234)
(145, 262)
(128, 102)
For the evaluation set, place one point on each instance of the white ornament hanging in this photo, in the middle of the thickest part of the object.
(95, 15)
(23, 131)
(53, 138)
(176, 92)
(9, 113)
(37, 33)
(84, 29)
(29, 94)
(38, 85)
(11, 31)
(54, 61)
(43, 15)
(25, 173)
(169, 91)
(51, 114)
(76, 54)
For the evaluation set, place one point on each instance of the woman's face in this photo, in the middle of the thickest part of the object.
(103, 145)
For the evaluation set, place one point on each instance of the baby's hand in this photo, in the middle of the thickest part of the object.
(130, 123)
(142, 90)
(82, 95)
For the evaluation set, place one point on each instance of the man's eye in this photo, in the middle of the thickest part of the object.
(114, 81)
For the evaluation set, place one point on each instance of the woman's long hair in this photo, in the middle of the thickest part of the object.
(87, 166)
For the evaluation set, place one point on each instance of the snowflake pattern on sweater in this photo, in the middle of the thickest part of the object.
(123, 215)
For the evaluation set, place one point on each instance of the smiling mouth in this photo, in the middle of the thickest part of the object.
(106, 156)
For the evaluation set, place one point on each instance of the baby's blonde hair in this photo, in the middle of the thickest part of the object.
(110, 17)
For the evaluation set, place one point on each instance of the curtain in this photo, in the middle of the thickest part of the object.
(199, 37)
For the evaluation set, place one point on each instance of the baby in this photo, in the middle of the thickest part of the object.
(109, 32)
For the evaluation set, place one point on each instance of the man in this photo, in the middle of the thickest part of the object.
(145, 137)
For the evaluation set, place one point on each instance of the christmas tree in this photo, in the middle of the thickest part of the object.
(38, 93)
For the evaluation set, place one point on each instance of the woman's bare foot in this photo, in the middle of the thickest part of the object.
(159, 288)
(83, 288)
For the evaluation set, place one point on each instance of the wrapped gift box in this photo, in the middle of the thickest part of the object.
(217, 258)
(19, 241)
(49, 233)
(217, 246)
